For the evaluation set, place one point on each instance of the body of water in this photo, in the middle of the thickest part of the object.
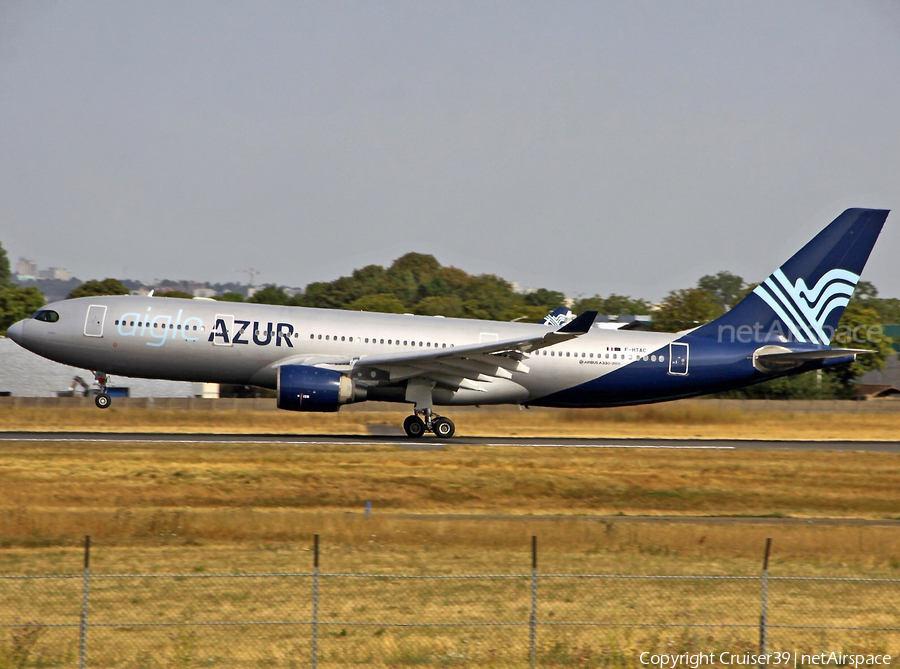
(24, 374)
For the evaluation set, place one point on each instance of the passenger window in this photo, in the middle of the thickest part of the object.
(343, 339)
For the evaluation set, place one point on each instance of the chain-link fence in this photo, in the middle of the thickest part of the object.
(474, 620)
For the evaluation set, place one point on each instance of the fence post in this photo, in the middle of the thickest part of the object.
(763, 641)
(315, 601)
(532, 622)
(85, 591)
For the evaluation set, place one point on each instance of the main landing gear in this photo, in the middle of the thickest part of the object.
(430, 422)
(102, 399)
(418, 392)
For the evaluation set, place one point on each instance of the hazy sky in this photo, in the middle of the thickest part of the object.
(587, 147)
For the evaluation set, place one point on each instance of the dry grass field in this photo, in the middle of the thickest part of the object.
(201, 510)
(679, 420)
(125, 489)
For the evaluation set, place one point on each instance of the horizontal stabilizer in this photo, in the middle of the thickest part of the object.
(772, 359)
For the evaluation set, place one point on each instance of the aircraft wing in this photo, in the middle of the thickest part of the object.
(456, 366)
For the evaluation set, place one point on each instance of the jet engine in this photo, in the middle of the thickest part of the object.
(304, 388)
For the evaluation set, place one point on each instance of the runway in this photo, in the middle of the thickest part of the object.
(440, 444)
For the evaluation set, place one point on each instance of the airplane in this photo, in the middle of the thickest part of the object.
(322, 359)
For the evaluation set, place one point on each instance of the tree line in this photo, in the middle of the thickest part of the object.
(417, 283)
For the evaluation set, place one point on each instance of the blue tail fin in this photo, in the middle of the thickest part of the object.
(803, 300)
(558, 317)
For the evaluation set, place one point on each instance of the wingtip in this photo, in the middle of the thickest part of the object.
(581, 324)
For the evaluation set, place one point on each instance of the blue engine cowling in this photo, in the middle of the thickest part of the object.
(303, 388)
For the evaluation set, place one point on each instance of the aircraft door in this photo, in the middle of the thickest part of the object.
(678, 359)
(93, 322)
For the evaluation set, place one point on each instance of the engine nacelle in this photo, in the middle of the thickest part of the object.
(303, 388)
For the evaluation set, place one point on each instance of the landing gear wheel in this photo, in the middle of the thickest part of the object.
(102, 401)
(414, 426)
(444, 428)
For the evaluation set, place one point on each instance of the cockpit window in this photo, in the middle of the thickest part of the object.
(46, 315)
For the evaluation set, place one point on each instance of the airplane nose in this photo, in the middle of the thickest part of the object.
(16, 332)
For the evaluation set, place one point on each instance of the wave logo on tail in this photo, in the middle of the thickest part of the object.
(558, 317)
(806, 310)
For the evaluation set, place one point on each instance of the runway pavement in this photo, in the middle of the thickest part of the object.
(435, 444)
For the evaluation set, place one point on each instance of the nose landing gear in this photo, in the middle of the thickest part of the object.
(430, 422)
(102, 398)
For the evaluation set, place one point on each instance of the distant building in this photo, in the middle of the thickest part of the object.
(26, 270)
(55, 274)
(889, 375)
(204, 292)
(876, 392)
(520, 289)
